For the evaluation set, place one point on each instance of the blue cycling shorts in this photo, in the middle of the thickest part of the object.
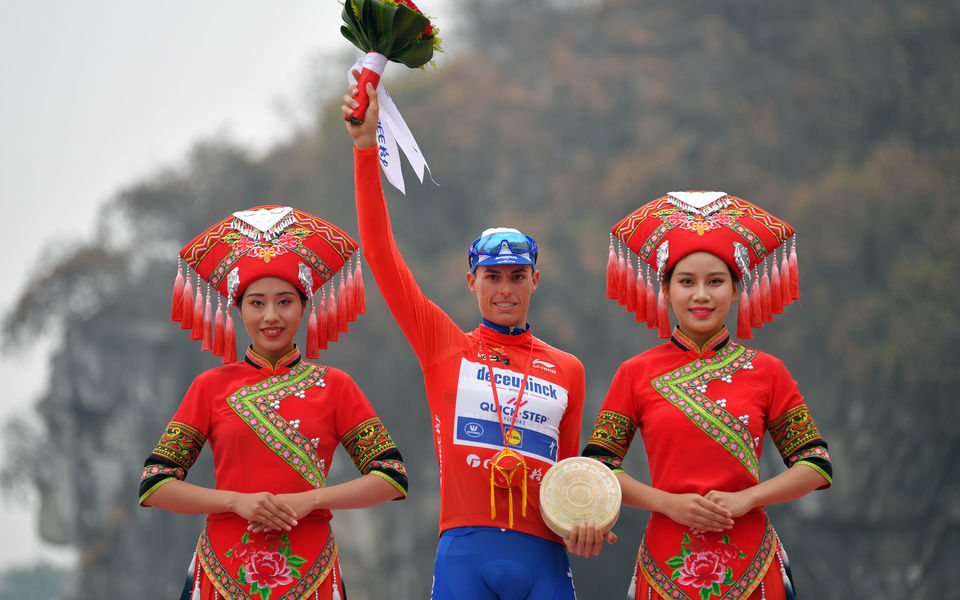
(488, 563)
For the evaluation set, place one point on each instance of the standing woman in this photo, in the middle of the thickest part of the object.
(272, 419)
(702, 401)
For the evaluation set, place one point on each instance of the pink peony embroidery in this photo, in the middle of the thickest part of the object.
(702, 569)
(268, 569)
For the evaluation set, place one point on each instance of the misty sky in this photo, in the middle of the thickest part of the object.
(101, 93)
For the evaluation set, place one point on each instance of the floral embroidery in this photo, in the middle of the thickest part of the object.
(383, 465)
(699, 223)
(367, 440)
(703, 563)
(152, 470)
(792, 430)
(263, 562)
(252, 404)
(180, 444)
(709, 562)
(684, 387)
(613, 432)
(815, 452)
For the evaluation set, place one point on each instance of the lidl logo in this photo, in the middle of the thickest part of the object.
(514, 437)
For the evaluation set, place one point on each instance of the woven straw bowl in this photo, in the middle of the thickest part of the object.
(579, 488)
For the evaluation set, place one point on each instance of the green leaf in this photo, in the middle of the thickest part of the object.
(285, 550)
(743, 554)
(295, 561)
(674, 561)
(728, 577)
(686, 540)
(715, 589)
(685, 552)
(241, 574)
(726, 539)
(295, 573)
(228, 552)
(265, 593)
(705, 593)
(245, 538)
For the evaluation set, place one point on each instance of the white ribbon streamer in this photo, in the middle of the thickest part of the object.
(392, 131)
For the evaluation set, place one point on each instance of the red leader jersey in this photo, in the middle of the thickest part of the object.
(466, 431)
(271, 428)
(702, 414)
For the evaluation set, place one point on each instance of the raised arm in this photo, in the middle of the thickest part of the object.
(428, 329)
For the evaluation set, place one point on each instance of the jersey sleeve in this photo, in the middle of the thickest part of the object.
(428, 329)
(366, 439)
(615, 424)
(180, 444)
(569, 441)
(792, 428)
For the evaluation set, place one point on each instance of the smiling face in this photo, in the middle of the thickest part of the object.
(271, 310)
(503, 292)
(701, 291)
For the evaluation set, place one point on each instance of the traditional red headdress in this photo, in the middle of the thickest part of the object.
(742, 234)
(275, 241)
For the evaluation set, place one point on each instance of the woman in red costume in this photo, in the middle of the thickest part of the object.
(272, 419)
(702, 401)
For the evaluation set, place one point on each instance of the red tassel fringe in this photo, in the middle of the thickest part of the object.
(332, 333)
(744, 332)
(765, 305)
(196, 332)
(612, 276)
(651, 304)
(785, 280)
(351, 296)
(186, 305)
(343, 316)
(313, 339)
(756, 308)
(631, 288)
(176, 303)
(621, 279)
(218, 330)
(229, 340)
(794, 273)
(361, 300)
(663, 317)
(641, 296)
(207, 324)
(322, 322)
(776, 292)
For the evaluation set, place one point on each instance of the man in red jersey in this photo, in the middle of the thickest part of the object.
(495, 383)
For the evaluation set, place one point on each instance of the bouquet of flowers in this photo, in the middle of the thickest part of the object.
(386, 30)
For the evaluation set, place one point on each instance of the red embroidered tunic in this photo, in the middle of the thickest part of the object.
(457, 379)
(271, 430)
(702, 413)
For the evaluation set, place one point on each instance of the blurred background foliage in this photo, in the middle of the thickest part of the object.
(559, 117)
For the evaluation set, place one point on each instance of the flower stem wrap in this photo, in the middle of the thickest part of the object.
(395, 29)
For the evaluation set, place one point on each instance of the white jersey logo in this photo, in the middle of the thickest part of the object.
(537, 426)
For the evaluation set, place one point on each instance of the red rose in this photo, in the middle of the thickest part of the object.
(268, 569)
(428, 30)
(702, 569)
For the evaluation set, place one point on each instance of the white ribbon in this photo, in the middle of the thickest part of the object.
(392, 131)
